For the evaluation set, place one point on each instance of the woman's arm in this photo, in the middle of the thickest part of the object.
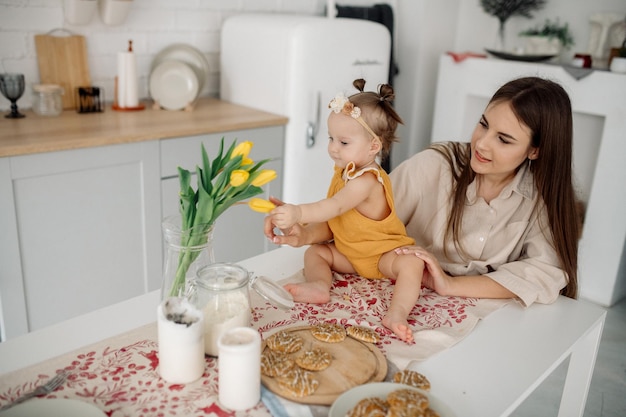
(435, 278)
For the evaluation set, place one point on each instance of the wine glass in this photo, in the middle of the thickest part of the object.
(12, 87)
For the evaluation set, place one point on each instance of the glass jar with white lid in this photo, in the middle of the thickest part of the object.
(47, 99)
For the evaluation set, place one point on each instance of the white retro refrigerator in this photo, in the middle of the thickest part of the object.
(293, 66)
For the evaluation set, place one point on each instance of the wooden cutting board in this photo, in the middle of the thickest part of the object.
(354, 363)
(62, 59)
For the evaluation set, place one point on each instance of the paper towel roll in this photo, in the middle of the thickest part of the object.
(127, 84)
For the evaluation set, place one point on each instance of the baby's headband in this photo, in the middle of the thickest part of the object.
(342, 104)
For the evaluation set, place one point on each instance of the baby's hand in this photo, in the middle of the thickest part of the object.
(285, 216)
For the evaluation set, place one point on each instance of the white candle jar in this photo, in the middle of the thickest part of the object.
(180, 328)
(221, 291)
(239, 366)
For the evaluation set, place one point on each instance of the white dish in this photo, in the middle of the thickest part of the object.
(53, 407)
(187, 54)
(174, 85)
(350, 398)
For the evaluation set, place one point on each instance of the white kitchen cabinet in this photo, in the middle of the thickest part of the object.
(81, 229)
(85, 232)
(239, 231)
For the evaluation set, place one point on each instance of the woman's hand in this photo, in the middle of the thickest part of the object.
(434, 276)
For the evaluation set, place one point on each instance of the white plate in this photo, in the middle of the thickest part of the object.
(54, 407)
(174, 85)
(350, 398)
(187, 54)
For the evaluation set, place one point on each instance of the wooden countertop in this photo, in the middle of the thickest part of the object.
(72, 130)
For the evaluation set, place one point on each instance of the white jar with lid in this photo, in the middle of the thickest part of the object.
(220, 290)
(47, 100)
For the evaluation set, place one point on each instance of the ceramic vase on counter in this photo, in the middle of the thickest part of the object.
(185, 253)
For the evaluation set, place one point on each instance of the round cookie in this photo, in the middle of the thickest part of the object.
(407, 402)
(314, 360)
(275, 363)
(431, 413)
(284, 342)
(329, 332)
(364, 334)
(412, 378)
(298, 383)
(369, 407)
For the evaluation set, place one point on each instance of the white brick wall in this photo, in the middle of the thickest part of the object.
(151, 24)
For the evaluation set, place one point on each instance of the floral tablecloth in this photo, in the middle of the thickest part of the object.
(437, 322)
(119, 375)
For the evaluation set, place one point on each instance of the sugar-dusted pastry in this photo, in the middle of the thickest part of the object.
(369, 407)
(284, 342)
(364, 334)
(316, 359)
(298, 382)
(329, 332)
(275, 363)
(412, 378)
(407, 403)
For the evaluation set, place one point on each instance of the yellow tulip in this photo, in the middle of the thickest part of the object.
(246, 161)
(265, 176)
(238, 177)
(261, 205)
(242, 149)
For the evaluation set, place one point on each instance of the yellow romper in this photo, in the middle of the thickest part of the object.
(359, 238)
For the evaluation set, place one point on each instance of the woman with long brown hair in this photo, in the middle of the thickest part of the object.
(496, 217)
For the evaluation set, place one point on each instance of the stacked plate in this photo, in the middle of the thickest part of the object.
(177, 75)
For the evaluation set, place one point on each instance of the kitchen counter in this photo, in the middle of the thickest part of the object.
(72, 130)
(79, 190)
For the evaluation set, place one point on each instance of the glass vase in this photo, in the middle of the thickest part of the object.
(500, 41)
(186, 251)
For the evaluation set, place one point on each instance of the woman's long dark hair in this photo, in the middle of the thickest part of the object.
(545, 108)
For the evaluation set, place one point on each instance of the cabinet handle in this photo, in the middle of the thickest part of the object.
(313, 127)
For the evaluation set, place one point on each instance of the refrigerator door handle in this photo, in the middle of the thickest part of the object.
(313, 127)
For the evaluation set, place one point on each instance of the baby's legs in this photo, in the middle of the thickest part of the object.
(319, 262)
(407, 271)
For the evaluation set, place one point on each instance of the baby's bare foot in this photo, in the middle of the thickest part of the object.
(399, 326)
(309, 292)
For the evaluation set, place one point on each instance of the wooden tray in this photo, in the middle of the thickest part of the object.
(354, 363)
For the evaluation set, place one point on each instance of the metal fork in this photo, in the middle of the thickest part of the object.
(46, 388)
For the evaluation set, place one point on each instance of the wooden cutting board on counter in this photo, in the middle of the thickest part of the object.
(354, 363)
(62, 59)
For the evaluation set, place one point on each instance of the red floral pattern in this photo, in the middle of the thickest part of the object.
(359, 301)
(123, 381)
(120, 375)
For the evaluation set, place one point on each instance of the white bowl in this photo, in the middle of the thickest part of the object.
(350, 398)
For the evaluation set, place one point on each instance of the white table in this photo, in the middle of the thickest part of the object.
(489, 373)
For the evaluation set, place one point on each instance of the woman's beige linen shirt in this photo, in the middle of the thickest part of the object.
(504, 239)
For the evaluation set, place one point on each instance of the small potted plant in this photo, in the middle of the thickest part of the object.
(550, 38)
(504, 9)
